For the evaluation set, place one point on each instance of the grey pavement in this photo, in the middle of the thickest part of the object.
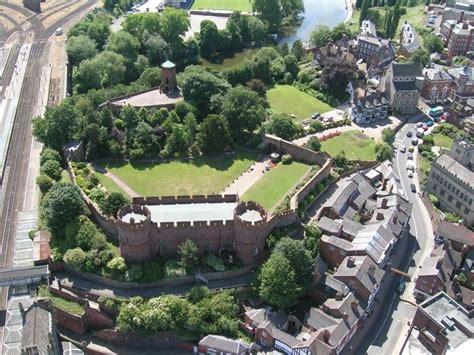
(102, 290)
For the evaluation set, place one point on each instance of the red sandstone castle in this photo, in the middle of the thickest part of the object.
(157, 226)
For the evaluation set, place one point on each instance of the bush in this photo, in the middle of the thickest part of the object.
(462, 278)
(434, 200)
(151, 272)
(314, 144)
(117, 267)
(75, 257)
(112, 204)
(52, 168)
(44, 183)
(451, 217)
(287, 159)
(173, 269)
(134, 273)
(215, 262)
(49, 154)
(198, 293)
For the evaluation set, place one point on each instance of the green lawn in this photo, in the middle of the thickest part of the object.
(233, 61)
(275, 184)
(61, 303)
(356, 145)
(109, 184)
(288, 99)
(181, 177)
(229, 5)
(442, 141)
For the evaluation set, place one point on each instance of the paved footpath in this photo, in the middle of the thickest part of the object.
(247, 179)
(116, 179)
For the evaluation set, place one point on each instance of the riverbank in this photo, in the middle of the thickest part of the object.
(350, 10)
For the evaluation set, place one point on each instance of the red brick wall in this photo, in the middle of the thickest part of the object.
(422, 321)
(69, 321)
(97, 319)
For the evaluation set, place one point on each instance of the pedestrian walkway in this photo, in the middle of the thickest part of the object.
(119, 182)
(248, 178)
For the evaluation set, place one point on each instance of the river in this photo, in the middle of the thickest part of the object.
(318, 12)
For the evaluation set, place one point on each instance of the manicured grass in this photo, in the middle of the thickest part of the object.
(182, 177)
(275, 184)
(61, 303)
(288, 99)
(229, 5)
(442, 141)
(233, 61)
(423, 168)
(356, 145)
(109, 184)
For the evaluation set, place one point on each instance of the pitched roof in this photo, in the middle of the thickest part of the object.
(329, 225)
(36, 329)
(400, 70)
(224, 344)
(456, 233)
(261, 315)
(436, 74)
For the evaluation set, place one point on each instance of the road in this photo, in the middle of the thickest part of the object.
(14, 182)
(391, 325)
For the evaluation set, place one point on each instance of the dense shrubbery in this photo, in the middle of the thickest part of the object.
(201, 313)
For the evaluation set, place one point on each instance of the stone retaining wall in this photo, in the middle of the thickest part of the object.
(159, 341)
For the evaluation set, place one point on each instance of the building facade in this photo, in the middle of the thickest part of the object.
(451, 179)
(376, 52)
(437, 85)
(409, 40)
(370, 108)
(458, 37)
(403, 83)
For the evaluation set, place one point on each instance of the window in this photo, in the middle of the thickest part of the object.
(442, 192)
(450, 198)
(466, 210)
(458, 204)
(255, 252)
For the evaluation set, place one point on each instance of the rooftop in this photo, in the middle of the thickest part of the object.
(451, 316)
(456, 169)
(437, 74)
(224, 344)
(402, 70)
(37, 325)
(168, 65)
(456, 233)
(191, 212)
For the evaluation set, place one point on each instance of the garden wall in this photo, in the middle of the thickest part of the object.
(282, 146)
(159, 341)
(69, 321)
(168, 282)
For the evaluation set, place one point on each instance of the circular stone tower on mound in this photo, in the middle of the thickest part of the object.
(134, 225)
(250, 231)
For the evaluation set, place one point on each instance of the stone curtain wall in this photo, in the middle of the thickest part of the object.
(172, 200)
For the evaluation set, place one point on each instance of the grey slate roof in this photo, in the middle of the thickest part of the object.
(329, 225)
(36, 329)
(402, 70)
(224, 344)
(436, 74)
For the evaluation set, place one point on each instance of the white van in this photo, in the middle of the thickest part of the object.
(59, 31)
(420, 132)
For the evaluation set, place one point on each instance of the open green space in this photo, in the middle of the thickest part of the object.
(182, 177)
(356, 146)
(275, 184)
(442, 140)
(61, 303)
(109, 184)
(228, 5)
(233, 61)
(288, 99)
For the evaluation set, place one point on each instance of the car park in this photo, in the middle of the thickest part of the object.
(403, 149)
(409, 134)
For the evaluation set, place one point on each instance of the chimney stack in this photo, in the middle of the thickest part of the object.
(351, 262)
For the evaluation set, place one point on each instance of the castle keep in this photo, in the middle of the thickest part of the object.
(154, 226)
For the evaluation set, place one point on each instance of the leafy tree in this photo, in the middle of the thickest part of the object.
(312, 235)
(420, 56)
(80, 48)
(198, 293)
(283, 127)
(75, 257)
(187, 252)
(88, 235)
(244, 110)
(191, 52)
(270, 12)
(364, 10)
(257, 86)
(336, 75)
(388, 135)
(99, 30)
(62, 204)
(383, 152)
(214, 134)
(300, 260)
(297, 50)
(320, 36)
(433, 43)
(209, 38)
(44, 183)
(157, 50)
(199, 85)
(52, 169)
(151, 77)
(277, 282)
(117, 266)
(340, 160)
(257, 30)
(57, 126)
(113, 203)
(49, 154)
(174, 24)
(314, 144)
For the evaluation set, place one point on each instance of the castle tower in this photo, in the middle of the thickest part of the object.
(250, 231)
(168, 77)
(134, 225)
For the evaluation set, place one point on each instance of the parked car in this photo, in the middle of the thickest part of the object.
(439, 239)
(403, 149)
(414, 141)
(429, 123)
(419, 125)
(410, 156)
(410, 174)
(401, 287)
(413, 188)
(409, 134)
(411, 149)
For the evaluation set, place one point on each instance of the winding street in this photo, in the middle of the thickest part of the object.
(390, 325)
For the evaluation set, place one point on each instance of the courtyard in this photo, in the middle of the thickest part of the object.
(200, 176)
(289, 100)
(273, 186)
(356, 146)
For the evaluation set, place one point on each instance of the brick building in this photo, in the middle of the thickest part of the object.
(431, 278)
(409, 40)
(441, 326)
(464, 82)
(451, 179)
(342, 49)
(437, 85)
(403, 83)
(157, 226)
(376, 52)
(458, 37)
